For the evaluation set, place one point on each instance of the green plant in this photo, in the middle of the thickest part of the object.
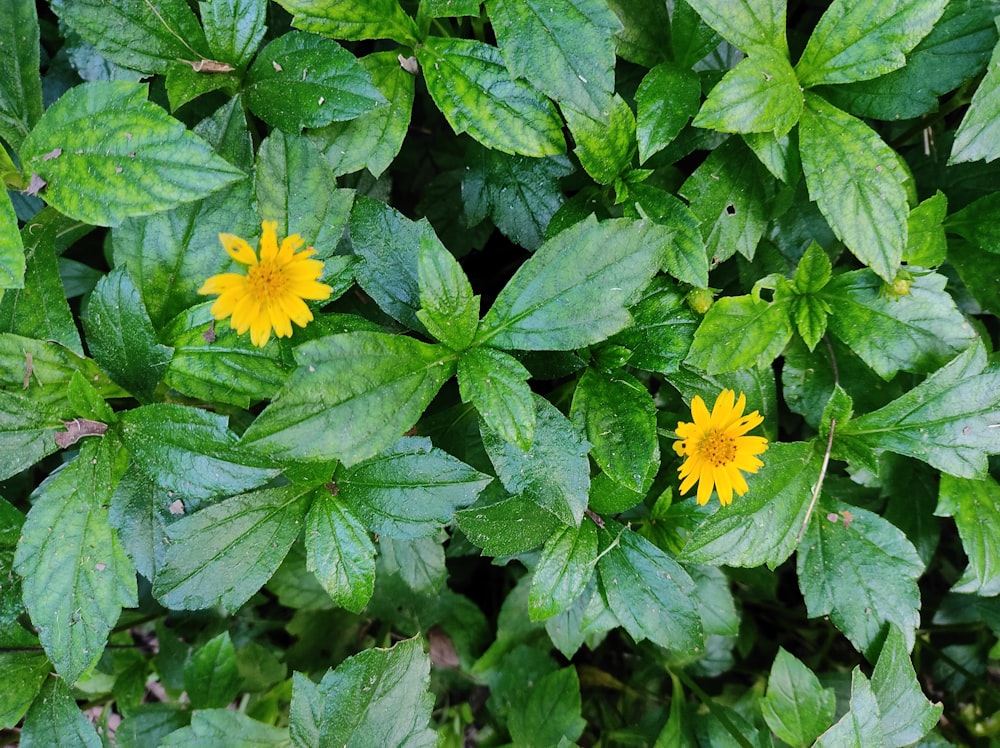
(444, 508)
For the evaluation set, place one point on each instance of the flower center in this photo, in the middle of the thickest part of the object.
(717, 448)
(266, 280)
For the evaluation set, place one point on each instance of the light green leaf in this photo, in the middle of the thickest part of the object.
(419, 563)
(575, 289)
(860, 727)
(24, 675)
(470, 85)
(233, 28)
(761, 94)
(978, 133)
(861, 571)
(351, 396)
(191, 451)
(301, 80)
(448, 8)
(20, 81)
(565, 48)
(55, 720)
(605, 145)
(448, 308)
(106, 153)
(649, 592)
(667, 98)
(519, 194)
(564, 570)
(687, 258)
(975, 507)
(495, 383)
(813, 271)
(211, 678)
(549, 712)
(924, 325)
(796, 707)
(137, 34)
(339, 552)
(121, 338)
(223, 554)
(662, 330)
(857, 182)
(504, 525)
(372, 139)
(948, 420)
(855, 41)
(746, 23)
(353, 21)
(12, 252)
(905, 713)
(554, 473)
(618, 417)
(224, 728)
(762, 526)
(75, 576)
(810, 316)
(739, 332)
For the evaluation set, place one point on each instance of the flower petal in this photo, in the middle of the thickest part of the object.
(268, 241)
(238, 249)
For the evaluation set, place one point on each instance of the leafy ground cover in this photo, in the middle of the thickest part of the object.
(578, 372)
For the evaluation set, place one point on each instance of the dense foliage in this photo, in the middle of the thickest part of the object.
(418, 483)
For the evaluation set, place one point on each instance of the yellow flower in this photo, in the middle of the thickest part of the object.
(270, 295)
(716, 448)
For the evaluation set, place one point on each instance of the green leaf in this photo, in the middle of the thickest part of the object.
(977, 222)
(905, 713)
(223, 554)
(55, 720)
(808, 311)
(470, 85)
(746, 24)
(565, 48)
(761, 94)
(857, 182)
(448, 8)
(224, 728)
(667, 98)
(762, 526)
(339, 552)
(137, 34)
(121, 337)
(292, 184)
(233, 28)
(813, 271)
(106, 154)
(211, 678)
(190, 451)
(20, 81)
(662, 330)
(549, 712)
(948, 420)
(554, 473)
(605, 144)
(75, 576)
(649, 592)
(618, 417)
(979, 271)
(353, 21)
(409, 490)
(351, 396)
(24, 676)
(495, 383)
(564, 570)
(575, 289)
(796, 708)
(301, 80)
(687, 259)
(12, 252)
(855, 41)
(862, 573)
(729, 193)
(975, 507)
(377, 697)
(924, 325)
(185, 82)
(506, 526)
(977, 134)
(860, 727)
(140, 512)
(448, 308)
(419, 563)
(739, 332)
(519, 194)
(691, 39)
(372, 139)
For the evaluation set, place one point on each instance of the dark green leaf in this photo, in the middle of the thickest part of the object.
(905, 713)
(716, 605)
(977, 134)
(55, 720)
(185, 83)
(739, 332)
(860, 727)
(223, 554)
(649, 592)
(339, 552)
(191, 451)
(470, 85)
(662, 330)
(224, 728)
(140, 511)
(448, 308)
(979, 270)
(796, 708)
(575, 289)
(211, 678)
(855, 41)
(925, 327)
(975, 507)
(554, 472)
(24, 676)
(666, 100)
(746, 24)
(810, 316)
(857, 182)
(20, 82)
(495, 383)
(353, 21)
(687, 259)
(861, 571)
(645, 36)
(507, 526)
(301, 80)
(604, 144)
(351, 396)
(548, 713)
(106, 154)
(978, 222)
(691, 39)
(149, 724)
(419, 563)
(233, 28)
(588, 620)
(75, 576)
(564, 570)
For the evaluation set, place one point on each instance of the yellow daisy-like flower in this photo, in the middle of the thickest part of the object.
(270, 295)
(716, 448)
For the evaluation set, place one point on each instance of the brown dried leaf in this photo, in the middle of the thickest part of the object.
(77, 429)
